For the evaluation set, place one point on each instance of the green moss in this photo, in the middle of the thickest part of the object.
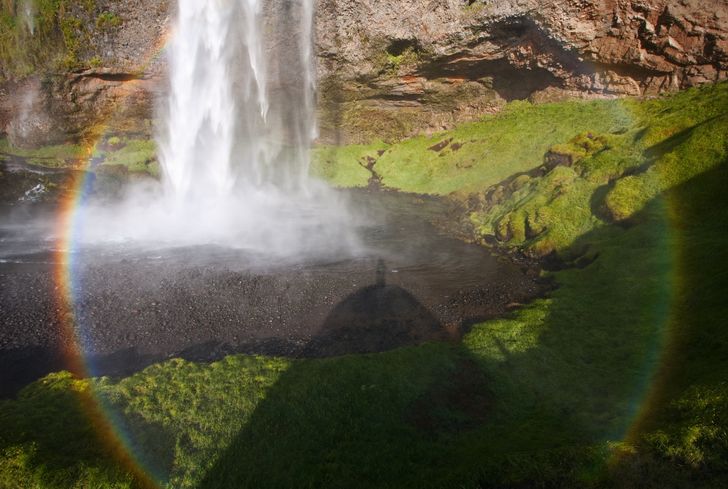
(62, 38)
(408, 58)
(581, 146)
(108, 20)
(137, 155)
(345, 166)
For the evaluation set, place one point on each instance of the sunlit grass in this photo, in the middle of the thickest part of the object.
(54, 156)
(344, 166)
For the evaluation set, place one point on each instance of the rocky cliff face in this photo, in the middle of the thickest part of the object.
(386, 69)
(396, 68)
(78, 67)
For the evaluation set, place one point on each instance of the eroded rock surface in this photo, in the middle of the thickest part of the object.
(88, 67)
(397, 68)
(386, 69)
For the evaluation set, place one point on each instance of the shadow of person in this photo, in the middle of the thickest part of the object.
(376, 318)
(381, 412)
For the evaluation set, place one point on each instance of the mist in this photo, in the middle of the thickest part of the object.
(234, 135)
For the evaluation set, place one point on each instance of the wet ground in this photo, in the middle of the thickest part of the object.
(135, 306)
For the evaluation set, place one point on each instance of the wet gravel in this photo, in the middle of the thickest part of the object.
(134, 308)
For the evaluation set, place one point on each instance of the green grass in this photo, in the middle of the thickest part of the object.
(483, 153)
(136, 155)
(616, 379)
(344, 166)
(54, 156)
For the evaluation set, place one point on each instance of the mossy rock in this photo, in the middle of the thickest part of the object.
(512, 228)
(627, 197)
(581, 146)
(519, 182)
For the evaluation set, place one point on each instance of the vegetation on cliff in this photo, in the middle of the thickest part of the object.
(48, 35)
(617, 379)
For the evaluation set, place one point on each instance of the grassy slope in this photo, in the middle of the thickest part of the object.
(613, 176)
(542, 398)
(490, 150)
(493, 149)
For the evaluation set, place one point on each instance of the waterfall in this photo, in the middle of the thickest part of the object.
(240, 109)
(235, 129)
(27, 12)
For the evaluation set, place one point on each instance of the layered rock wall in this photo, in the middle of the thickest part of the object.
(84, 67)
(398, 68)
(387, 69)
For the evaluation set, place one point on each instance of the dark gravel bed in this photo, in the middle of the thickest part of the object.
(132, 309)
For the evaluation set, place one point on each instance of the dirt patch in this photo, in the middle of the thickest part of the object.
(440, 146)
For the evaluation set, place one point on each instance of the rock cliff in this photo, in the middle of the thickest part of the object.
(386, 69)
(71, 67)
(396, 68)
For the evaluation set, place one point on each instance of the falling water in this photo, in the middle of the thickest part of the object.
(236, 122)
(236, 125)
(28, 14)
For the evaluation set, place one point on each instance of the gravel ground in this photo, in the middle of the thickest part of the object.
(134, 309)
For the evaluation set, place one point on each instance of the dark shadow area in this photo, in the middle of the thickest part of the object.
(19, 367)
(510, 82)
(376, 318)
(493, 415)
(108, 76)
(22, 366)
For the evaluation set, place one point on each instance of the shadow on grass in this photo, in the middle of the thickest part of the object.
(529, 400)
(54, 436)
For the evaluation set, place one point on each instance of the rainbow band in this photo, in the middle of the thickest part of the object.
(108, 428)
(69, 223)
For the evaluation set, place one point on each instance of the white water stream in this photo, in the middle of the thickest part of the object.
(236, 127)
